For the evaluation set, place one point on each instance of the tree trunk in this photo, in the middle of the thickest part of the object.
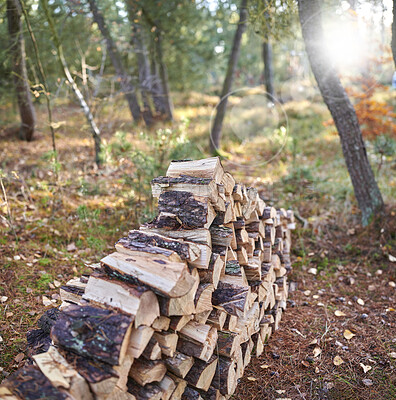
(215, 134)
(158, 96)
(366, 189)
(164, 77)
(394, 33)
(17, 49)
(87, 111)
(268, 69)
(126, 85)
(143, 68)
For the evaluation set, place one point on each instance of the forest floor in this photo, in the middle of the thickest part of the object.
(68, 214)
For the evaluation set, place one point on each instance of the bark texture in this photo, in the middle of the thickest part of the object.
(18, 57)
(366, 189)
(215, 135)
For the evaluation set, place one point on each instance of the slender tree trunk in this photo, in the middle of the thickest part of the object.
(126, 84)
(215, 135)
(268, 69)
(394, 33)
(94, 129)
(366, 189)
(158, 95)
(17, 49)
(164, 77)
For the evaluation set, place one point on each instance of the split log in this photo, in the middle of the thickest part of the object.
(231, 298)
(144, 371)
(180, 387)
(93, 332)
(225, 378)
(203, 351)
(242, 255)
(206, 168)
(221, 235)
(62, 375)
(183, 305)
(167, 386)
(212, 274)
(203, 187)
(217, 318)
(229, 182)
(73, 290)
(202, 317)
(201, 373)
(140, 337)
(161, 323)
(237, 193)
(269, 212)
(167, 341)
(101, 377)
(269, 235)
(196, 332)
(203, 298)
(227, 343)
(148, 392)
(177, 323)
(152, 351)
(170, 279)
(193, 211)
(157, 244)
(200, 236)
(131, 299)
(202, 262)
(29, 383)
(179, 364)
(191, 394)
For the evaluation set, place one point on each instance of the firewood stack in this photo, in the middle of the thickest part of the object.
(179, 308)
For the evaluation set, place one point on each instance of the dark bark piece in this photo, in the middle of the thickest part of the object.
(227, 343)
(152, 350)
(221, 235)
(191, 180)
(92, 332)
(166, 221)
(30, 383)
(215, 134)
(21, 82)
(230, 297)
(38, 341)
(47, 320)
(191, 394)
(201, 373)
(225, 379)
(365, 187)
(233, 268)
(148, 392)
(179, 364)
(193, 211)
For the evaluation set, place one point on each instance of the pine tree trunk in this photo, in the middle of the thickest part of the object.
(366, 189)
(268, 69)
(115, 57)
(215, 135)
(17, 50)
(394, 33)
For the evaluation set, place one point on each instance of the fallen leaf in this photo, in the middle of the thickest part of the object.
(46, 301)
(339, 313)
(305, 363)
(19, 357)
(313, 341)
(392, 284)
(337, 361)
(317, 351)
(391, 258)
(250, 378)
(57, 283)
(264, 366)
(17, 258)
(320, 304)
(366, 368)
(9, 314)
(71, 247)
(348, 334)
(3, 299)
(315, 296)
(313, 271)
(1, 339)
(393, 354)
(360, 301)
(317, 370)
(367, 382)
(307, 292)
(279, 391)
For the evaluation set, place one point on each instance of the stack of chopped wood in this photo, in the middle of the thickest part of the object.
(177, 311)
